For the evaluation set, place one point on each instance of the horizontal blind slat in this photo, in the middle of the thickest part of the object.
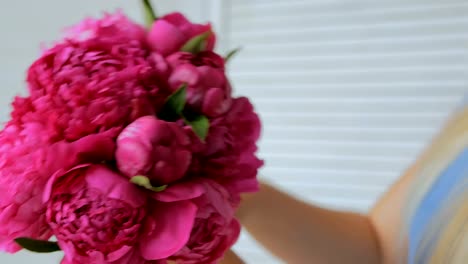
(355, 16)
(336, 6)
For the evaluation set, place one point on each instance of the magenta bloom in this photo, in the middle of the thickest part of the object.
(95, 214)
(209, 91)
(90, 124)
(169, 33)
(154, 148)
(216, 230)
(98, 83)
(229, 155)
(27, 161)
(99, 217)
(22, 177)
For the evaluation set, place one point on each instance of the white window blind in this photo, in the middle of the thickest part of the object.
(349, 91)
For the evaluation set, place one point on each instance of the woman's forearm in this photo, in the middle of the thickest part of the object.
(300, 233)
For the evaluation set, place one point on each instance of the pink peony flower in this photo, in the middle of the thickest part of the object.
(209, 91)
(99, 217)
(21, 181)
(95, 214)
(27, 161)
(228, 156)
(154, 148)
(89, 124)
(169, 33)
(96, 84)
(216, 229)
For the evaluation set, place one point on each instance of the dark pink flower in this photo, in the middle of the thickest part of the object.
(22, 178)
(89, 124)
(229, 155)
(27, 161)
(215, 229)
(98, 83)
(171, 32)
(209, 91)
(154, 148)
(95, 214)
(99, 217)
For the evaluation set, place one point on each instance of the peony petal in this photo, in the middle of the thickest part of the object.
(217, 196)
(176, 18)
(235, 228)
(135, 146)
(68, 249)
(118, 254)
(212, 77)
(116, 186)
(214, 102)
(94, 148)
(133, 257)
(230, 239)
(165, 38)
(53, 179)
(187, 74)
(90, 149)
(180, 192)
(24, 211)
(65, 261)
(7, 213)
(174, 223)
(133, 158)
(249, 185)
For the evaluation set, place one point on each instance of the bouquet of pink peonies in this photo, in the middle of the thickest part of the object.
(128, 148)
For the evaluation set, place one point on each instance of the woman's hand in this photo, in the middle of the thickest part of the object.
(231, 258)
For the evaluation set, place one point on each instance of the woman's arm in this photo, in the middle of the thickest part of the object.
(301, 233)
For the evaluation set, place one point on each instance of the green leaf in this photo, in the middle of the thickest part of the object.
(150, 14)
(231, 54)
(39, 246)
(145, 182)
(176, 102)
(197, 43)
(200, 125)
(174, 105)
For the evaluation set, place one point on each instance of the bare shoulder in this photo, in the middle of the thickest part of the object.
(387, 215)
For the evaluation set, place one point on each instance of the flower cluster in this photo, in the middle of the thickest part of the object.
(128, 148)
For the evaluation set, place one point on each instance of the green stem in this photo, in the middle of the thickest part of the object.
(150, 14)
(231, 54)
